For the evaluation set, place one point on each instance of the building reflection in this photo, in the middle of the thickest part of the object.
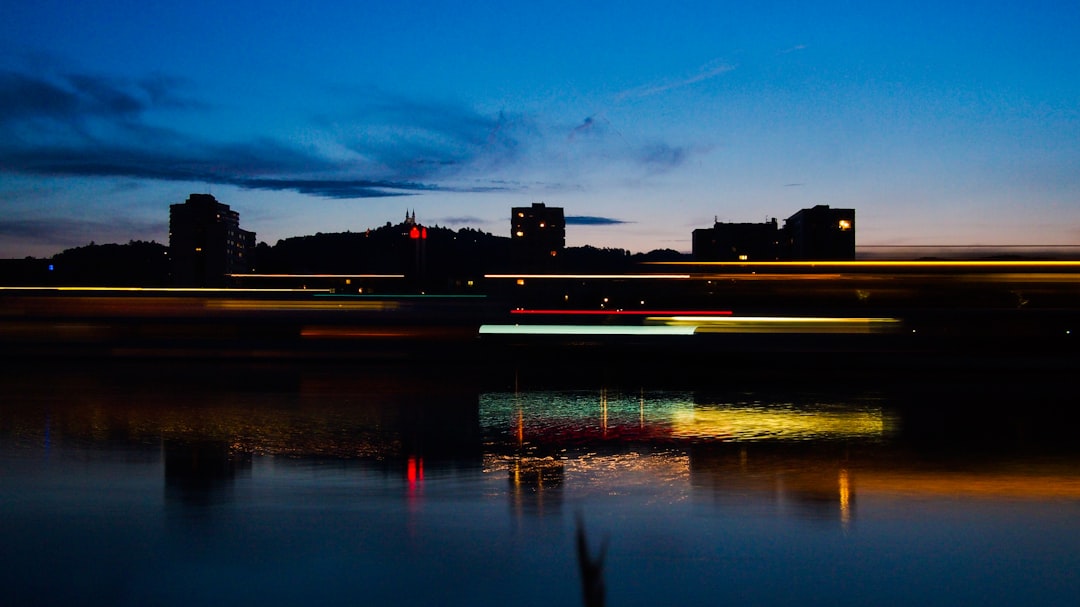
(207, 422)
(536, 485)
(813, 451)
(201, 473)
(812, 483)
(815, 455)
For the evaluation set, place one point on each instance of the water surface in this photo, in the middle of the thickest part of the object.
(157, 484)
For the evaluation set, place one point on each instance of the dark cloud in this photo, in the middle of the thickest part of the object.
(466, 220)
(89, 126)
(425, 140)
(661, 156)
(330, 188)
(76, 97)
(587, 127)
(92, 127)
(588, 220)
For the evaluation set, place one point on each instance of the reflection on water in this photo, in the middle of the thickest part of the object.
(276, 485)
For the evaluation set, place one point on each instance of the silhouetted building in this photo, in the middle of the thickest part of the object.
(416, 251)
(737, 242)
(820, 233)
(538, 233)
(206, 243)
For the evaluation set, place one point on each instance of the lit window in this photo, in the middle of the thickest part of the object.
(743, 257)
(521, 282)
(520, 214)
(198, 249)
(845, 225)
(519, 233)
(543, 225)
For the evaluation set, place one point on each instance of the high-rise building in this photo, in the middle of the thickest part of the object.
(206, 243)
(538, 233)
(820, 233)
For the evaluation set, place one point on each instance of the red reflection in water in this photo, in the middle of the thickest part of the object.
(415, 470)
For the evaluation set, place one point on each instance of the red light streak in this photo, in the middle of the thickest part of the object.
(625, 312)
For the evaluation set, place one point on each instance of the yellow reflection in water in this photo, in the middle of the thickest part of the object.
(845, 498)
(756, 423)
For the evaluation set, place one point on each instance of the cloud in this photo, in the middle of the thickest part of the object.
(586, 127)
(661, 156)
(417, 139)
(589, 220)
(88, 125)
(74, 98)
(595, 137)
(706, 72)
(465, 220)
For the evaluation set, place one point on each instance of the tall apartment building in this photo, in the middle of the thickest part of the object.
(537, 233)
(206, 243)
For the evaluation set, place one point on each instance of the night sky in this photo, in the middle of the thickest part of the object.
(940, 123)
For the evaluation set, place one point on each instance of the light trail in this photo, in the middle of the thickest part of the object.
(927, 264)
(635, 330)
(315, 275)
(623, 312)
(164, 290)
(590, 276)
(779, 324)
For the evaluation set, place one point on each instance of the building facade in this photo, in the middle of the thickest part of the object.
(737, 242)
(206, 243)
(820, 233)
(537, 233)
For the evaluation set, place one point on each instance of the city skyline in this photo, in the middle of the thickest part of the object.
(940, 125)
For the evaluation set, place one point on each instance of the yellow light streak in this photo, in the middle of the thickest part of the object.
(777, 324)
(343, 305)
(316, 276)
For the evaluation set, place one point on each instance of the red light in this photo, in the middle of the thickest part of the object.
(423, 233)
(415, 470)
(414, 233)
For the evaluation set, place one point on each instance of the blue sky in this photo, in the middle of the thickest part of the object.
(940, 124)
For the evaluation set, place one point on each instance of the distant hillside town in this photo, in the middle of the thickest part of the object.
(208, 248)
